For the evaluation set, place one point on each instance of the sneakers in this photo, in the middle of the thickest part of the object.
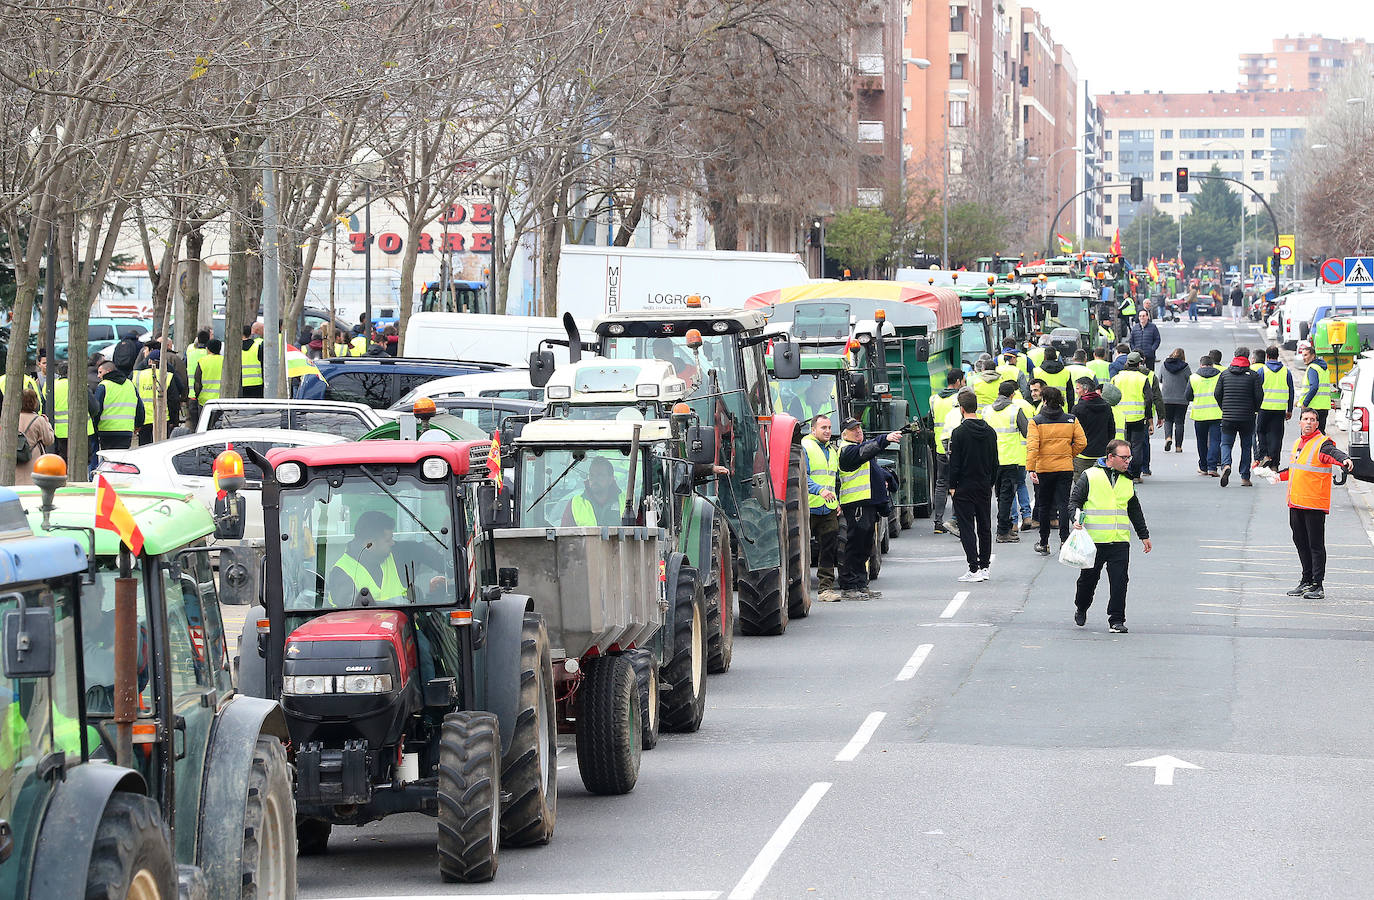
(870, 594)
(1043, 549)
(1168, 444)
(1080, 617)
(1314, 592)
(970, 577)
(1302, 588)
(1033, 525)
(1225, 475)
(1137, 479)
(951, 528)
(1203, 472)
(1245, 482)
(1178, 449)
(855, 594)
(983, 575)
(830, 595)
(1010, 537)
(1117, 628)
(940, 527)
(1212, 472)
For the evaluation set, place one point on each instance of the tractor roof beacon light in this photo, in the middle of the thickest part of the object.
(424, 408)
(693, 335)
(49, 473)
(694, 302)
(228, 471)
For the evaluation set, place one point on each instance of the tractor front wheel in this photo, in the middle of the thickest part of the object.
(469, 797)
(798, 558)
(529, 772)
(684, 703)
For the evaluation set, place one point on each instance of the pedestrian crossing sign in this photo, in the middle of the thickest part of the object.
(1256, 272)
(1359, 271)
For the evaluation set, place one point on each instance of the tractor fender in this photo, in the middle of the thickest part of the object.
(67, 836)
(696, 542)
(251, 676)
(224, 787)
(783, 432)
(502, 635)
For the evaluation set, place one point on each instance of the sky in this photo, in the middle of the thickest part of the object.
(1187, 45)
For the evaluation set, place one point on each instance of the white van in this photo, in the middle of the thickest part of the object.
(478, 337)
(509, 384)
(1300, 308)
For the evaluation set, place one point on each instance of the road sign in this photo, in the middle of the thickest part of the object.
(1359, 271)
(1333, 271)
(1256, 271)
(1287, 248)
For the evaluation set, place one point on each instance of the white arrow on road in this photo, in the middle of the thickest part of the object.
(1164, 767)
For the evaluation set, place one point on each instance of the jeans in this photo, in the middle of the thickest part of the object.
(1208, 437)
(1269, 433)
(1054, 500)
(1138, 436)
(1230, 430)
(1116, 558)
(1023, 497)
(859, 521)
(1008, 477)
(1309, 536)
(973, 506)
(1192, 312)
(826, 530)
(1174, 414)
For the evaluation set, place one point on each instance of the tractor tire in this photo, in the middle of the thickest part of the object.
(683, 705)
(763, 594)
(646, 676)
(923, 510)
(469, 795)
(608, 739)
(798, 558)
(720, 602)
(312, 837)
(132, 854)
(888, 530)
(875, 555)
(906, 517)
(529, 771)
(269, 824)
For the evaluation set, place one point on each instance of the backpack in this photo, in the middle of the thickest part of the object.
(22, 451)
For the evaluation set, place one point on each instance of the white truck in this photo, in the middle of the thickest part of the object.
(481, 337)
(597, 281)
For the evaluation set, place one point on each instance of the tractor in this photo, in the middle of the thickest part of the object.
(412, 677)
(120, 706)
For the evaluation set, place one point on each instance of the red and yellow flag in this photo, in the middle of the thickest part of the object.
(1154, 270)
(494, 461)
(1116, 243)
(113, 515)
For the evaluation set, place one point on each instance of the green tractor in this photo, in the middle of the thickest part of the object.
(120, 705)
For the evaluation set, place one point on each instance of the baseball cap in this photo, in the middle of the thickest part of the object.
(851, 423)
(1135, 358)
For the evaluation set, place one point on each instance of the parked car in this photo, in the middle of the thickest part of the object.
(379, 381)
(183, 464)
(349, 420)
(510, 384)
(487, 413)
(103, 331)
(1357, 402)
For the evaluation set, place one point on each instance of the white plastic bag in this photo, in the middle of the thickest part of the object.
(1079, 551)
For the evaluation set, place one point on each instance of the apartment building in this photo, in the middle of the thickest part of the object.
(1302, 63)
(1049, 119)
(1090, 204)
(1249, 135)
(878, 94)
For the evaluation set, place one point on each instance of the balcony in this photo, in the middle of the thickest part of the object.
(869, 70)
(869, 197)
(871, 133)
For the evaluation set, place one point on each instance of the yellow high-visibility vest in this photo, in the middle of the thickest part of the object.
(1104, 512)
(824, 464)
(855, 485)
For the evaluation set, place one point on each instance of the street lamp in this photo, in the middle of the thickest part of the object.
(367, 164)
(919, 62)
(492, 181)
(944, 205)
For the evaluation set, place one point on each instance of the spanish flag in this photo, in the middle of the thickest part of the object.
(112, 514)
(1154, 270)
(494, 461)
(1116, 243)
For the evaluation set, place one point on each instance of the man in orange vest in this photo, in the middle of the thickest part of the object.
(1309, 500)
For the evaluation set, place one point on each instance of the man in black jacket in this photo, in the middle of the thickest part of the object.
(972, 471)
(1239, 393)
(1099, 426)
(1144, 338)
(859, 506)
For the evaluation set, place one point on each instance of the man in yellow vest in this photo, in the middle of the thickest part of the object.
(252, 363)
(1310, 466)
(367, 568)
(120, 409)
(1206, 414)
(194, 354)
(822, 474)
(60, 419)
(1275, 409)
(1316, 390)
(172, 391)
(1008, 419)
(209, 369)
(857, 504)
(1052, 371)
(601, 501)
(1137, 406)
(941, 405)
(985, 381)
(1107, 508)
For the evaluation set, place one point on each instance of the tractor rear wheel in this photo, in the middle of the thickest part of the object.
(529, 772)
(312, 836)
(763, 594)
(720, 601)
(608, 723)
(469, 796)
(132, 854)
(684, 703)
(798, 557)
(875, 554)
(269, 824)
(646, 676)
(923, 510)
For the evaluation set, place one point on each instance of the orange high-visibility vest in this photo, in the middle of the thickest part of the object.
(1309, 482)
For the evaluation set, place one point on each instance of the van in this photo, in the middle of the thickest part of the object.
(508, 340)
(1358, 408)
(1298, 312)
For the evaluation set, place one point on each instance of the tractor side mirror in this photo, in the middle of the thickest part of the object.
(493, 509)
(30, 639)
(541, 367)
(923, 350)
(786, 360)
(230, 516)
(701, 445)
(858, 387)
(508, 578)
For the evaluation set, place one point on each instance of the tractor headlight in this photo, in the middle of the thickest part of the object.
(558, 392)
(307, 684)
(289, 473)
(364, 684)
(434, 467)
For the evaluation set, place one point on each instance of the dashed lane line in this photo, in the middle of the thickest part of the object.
(909, 670)
(611, 895)
(861, 737)
(954, 605)
(758, 870)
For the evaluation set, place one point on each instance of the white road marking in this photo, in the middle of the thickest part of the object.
(1164, 767)
(954, 605)
(629, 895)
(861, 738)
(914, 663)
(954, 625)
(758, 870)
(959, 558)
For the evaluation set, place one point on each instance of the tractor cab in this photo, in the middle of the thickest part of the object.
(624, 390)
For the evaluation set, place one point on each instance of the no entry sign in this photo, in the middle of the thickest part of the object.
(1333, 271)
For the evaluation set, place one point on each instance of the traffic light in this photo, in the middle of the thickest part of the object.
(1137, 189)
(1181, 180)
(1275, 262)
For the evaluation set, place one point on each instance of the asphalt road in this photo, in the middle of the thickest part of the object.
(954, 740)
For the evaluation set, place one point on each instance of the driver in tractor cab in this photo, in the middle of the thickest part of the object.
(368, 564)
(601, 500)
(665, 351)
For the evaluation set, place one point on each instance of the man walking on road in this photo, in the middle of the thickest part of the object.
(1144, 338)
(940, 406)
(1202, 386)
(1275, 409)
(1054, 440)
(1008, 419)
(1239, 393)
(1317, 390)
(1309, 500)
(1109, 508)
(823, 467)
(857, 503)
(1094, 415)
(972, 470)
(1138, 405)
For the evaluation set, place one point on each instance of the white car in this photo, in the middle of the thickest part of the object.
(1357, 408)
(509, 384)
(350, 420)
(183, 464)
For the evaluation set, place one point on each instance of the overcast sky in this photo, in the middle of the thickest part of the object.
(1144, 46)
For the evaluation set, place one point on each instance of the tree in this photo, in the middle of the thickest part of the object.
(1216, 198)
(1327, 194)
(1151, 233)
(859, 239)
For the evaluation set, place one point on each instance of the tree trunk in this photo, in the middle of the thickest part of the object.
(78, 333)
(414, 229)
(630, 221)
(188, 316)
(231, 376)
(15, 364)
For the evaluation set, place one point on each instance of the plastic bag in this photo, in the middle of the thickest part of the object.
(1079, 551)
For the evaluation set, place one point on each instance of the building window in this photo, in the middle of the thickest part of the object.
(1257, 154)
(1106, 220)
(1106, 155)
(1107, 135)
(1256, 132)
(1254, 176)
(1127, 156)
(1127, 137)
(1278, 134)
(1166, 134)
(1166, 155)
(1106, 198)
(958, 113)
(1165, 176)
(956, 69)
(1147, 134)
(1145, 156)
(1166, 198)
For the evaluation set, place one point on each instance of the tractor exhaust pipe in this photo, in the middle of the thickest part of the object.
(125, 659)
